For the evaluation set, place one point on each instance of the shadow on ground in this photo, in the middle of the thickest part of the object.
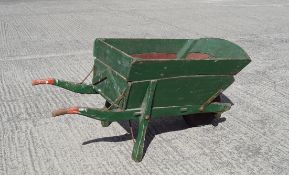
(156, 126)
(162, 125)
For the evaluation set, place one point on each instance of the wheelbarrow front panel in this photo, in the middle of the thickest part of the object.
(180, 91)
(110, 84)
(112, 57)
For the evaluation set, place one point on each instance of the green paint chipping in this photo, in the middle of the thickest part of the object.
(137, 152)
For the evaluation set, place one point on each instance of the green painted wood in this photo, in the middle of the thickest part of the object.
(115, 58)
(217, 47)
(112, 84)
(116, 66)
(137, 46)
(180, 91)
(75, 87)
(156, 112)
(189, 109)
(226, 58)
(157, 69)
(189, 90)
(136, 94)
(185, 49)
(137, 153)
(109, 115)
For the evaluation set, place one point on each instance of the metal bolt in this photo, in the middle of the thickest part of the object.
(147, 117)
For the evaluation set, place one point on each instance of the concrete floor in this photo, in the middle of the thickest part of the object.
(41, 39)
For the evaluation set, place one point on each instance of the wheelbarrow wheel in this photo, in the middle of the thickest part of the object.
(106, 123)
(201, 119)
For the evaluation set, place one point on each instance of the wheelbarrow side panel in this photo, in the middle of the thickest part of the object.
(158, 69)
(219, 48)
(180, 91)
(137, 46)
(194, 90)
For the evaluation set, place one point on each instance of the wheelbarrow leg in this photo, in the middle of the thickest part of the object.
(71, 86)
(137, 153)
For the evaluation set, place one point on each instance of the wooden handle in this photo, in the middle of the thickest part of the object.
(43, 81)
(63, 111)
(59, 112)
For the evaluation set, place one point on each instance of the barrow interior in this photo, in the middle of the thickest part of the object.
(169, 49)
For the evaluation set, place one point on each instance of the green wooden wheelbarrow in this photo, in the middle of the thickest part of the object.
(142, 79)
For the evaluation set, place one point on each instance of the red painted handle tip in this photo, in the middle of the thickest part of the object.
(43, 81)
(73, 110)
